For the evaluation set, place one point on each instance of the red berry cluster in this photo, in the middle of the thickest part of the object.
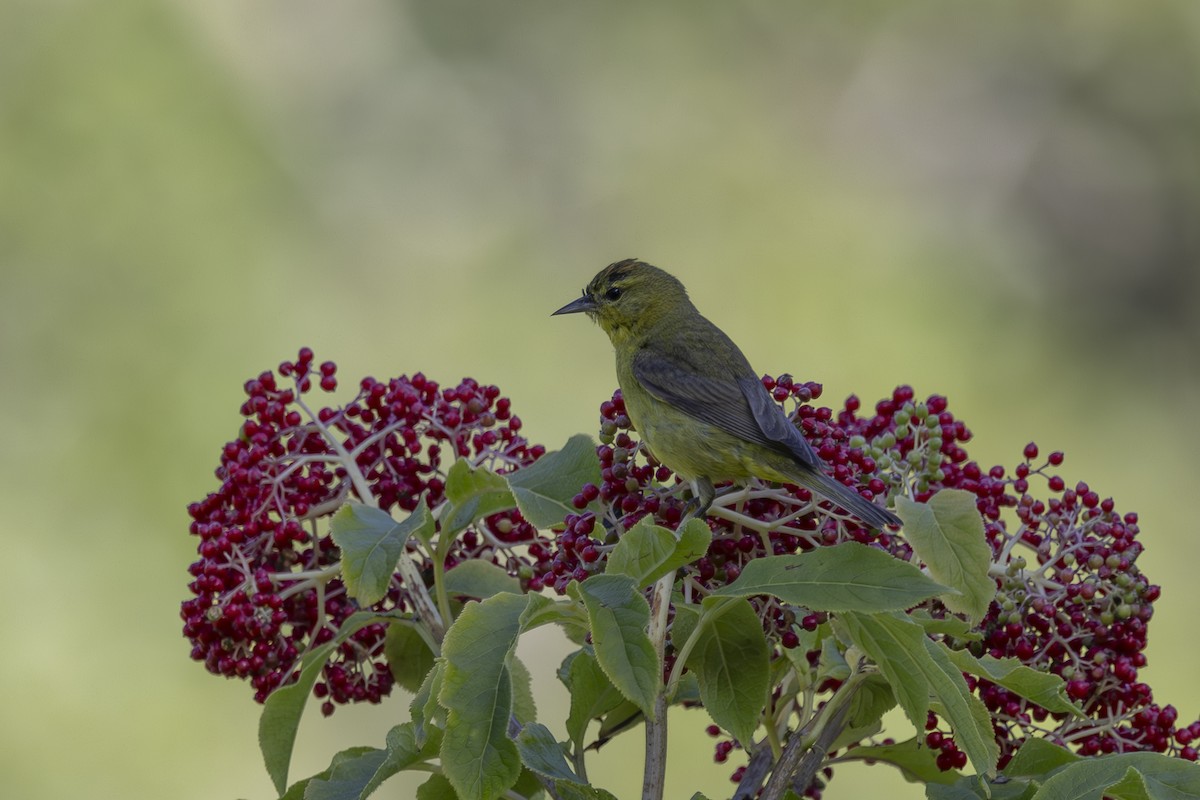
(1072, 600)
(266, 586)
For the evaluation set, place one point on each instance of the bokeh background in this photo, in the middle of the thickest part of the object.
(995, 201)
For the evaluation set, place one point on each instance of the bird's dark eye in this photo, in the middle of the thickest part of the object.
(613, 293)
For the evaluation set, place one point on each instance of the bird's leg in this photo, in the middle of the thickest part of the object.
(703, 494)
(742, 494)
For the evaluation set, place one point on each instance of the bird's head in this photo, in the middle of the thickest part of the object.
(628, 298)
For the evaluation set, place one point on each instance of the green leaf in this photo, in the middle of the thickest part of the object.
(845, 577)
(732, 665)
(478, 578)
(832, 663)
(300, 789)
(646, 552)
(544, 489)
(1126, 776)
(592, 693)
(403, 750)
(687, 616)
(524, 706)
(371, 543)
(529, 786)
(543, 611)
(868, 704)
(873, 699)
(619, 616)
(1038, 757)
(1043, 688)
(281, 713)
(477, 755)
(542, 753)
(348, 775)
(579, 791)
(408, 655)
(436, 788)
(917, 762)
(947, 535)
(966, 713)
(620, 719)
(427, 716)
(953, 627)
(917, 669)
(357, 773)
(473, 493)
(973, 787)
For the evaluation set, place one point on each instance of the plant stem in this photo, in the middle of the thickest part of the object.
(756, 772)
(656, 724)
(423, 604)
(808, 747)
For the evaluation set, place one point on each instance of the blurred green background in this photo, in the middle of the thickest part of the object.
(999, 202)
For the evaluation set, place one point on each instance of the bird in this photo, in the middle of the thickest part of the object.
(693, 397)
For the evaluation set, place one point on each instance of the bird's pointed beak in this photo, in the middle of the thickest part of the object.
(585, 304)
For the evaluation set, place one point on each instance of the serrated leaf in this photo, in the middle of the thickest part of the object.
(299, 790)
(845, 577)
(473, 492)
(479, 759)
(873, 699)
(1043, 688)
(731, 661)
(524, 705)
(687, 616)
(282, 711)
(646, 552)
(543, 611)
(482, 579)
(916, 762)
(620, 719)
(542, 753)
(371, 543)
(973, 787)
(580, 791)
(408, 655)
(592, 693)
(832, 663)
(619, 616)
(947, 536)
(403, 750)
(528, 785)
(436, 788)
(953, 627)
(917, 669)
(477, 755)
(1039, 757)
(1154, 776)
(348, 775)
(427, 715)
(544, 490)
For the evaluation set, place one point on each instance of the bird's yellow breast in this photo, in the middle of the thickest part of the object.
(690, 447)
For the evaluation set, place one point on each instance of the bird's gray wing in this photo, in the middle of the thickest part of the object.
(740, 406)
(775, 425)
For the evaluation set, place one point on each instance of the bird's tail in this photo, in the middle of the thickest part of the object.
(852, 501)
